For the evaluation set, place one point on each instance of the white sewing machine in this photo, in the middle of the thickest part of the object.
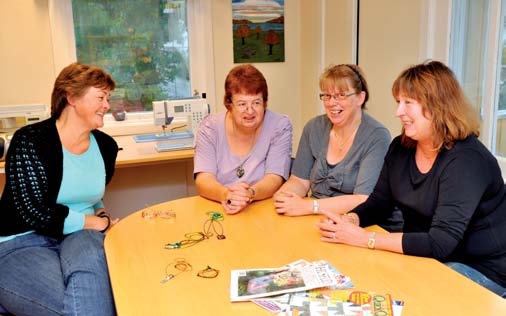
(190, 112)
(13, 117)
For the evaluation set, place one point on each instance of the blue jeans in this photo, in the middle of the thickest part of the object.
(41, 276)
(477, 277)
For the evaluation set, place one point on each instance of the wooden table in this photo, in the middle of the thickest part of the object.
(259, 238)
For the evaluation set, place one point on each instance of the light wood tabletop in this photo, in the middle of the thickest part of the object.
(260, 238)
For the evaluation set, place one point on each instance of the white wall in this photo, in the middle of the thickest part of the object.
(393, 35)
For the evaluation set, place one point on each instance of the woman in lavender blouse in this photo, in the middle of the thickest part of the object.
(243, 154)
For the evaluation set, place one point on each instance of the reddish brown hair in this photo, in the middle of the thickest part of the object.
(245, 79)
(75, 80)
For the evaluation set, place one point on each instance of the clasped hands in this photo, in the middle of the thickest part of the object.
(237, 198)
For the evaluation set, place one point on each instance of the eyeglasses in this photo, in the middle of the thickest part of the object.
(255, 105)
(338, 97)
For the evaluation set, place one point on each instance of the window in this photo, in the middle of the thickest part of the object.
(478, 57)
(165, 64)
(142, 44)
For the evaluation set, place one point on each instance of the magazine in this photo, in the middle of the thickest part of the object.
(299, 276)
(339, 303)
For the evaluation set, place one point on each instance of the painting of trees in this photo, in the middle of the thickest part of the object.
(258, 28)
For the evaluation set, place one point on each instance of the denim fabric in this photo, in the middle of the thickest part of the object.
(477, 277)
(44, 276)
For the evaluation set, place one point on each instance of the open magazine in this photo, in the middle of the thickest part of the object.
(295, 277)
(329, 302)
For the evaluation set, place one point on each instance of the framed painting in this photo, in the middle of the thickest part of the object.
(259, 31)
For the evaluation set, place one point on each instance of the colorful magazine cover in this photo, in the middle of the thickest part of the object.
(341, 303)
(298, 276)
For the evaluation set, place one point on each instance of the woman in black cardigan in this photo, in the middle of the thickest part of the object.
(52, 218)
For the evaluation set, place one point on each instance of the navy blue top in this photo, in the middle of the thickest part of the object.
(454, 212)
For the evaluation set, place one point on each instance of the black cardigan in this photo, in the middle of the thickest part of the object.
(33, 172)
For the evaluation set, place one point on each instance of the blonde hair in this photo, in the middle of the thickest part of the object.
(437, 90)
(341, 76)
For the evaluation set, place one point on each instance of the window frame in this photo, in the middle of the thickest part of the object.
(489, 108)
(490, 112)
(201, 59)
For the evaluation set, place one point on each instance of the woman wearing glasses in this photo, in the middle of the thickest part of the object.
(340, 153)
(444, 180)
(242, 154)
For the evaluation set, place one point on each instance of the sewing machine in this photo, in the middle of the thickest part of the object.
(190, 112)
(13, 117)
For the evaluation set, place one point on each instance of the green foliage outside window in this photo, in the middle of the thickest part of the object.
(142, 44)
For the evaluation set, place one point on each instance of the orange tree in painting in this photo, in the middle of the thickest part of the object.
(243, 32)
(271, 39)
(257, 31)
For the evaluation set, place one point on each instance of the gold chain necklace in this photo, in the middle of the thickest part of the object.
(343, 143)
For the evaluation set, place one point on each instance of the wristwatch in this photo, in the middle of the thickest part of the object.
(371, 243)
(316, 208)
(252, 194)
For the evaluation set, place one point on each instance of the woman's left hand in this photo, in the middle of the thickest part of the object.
(340, 229)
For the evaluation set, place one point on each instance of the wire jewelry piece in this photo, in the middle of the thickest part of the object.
(208, 273)
(209, 224)
(191, 240)
(180, 264)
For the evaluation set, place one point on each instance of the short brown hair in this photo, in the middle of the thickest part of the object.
(75, 80)
(245, 79)
(342, 76)
(437, 90)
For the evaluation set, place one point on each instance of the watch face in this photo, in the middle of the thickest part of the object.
(371, 243)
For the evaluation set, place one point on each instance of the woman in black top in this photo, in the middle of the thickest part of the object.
(446, 183)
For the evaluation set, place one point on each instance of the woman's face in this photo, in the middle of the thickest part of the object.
(92, 107)
(342, 106)
(416, 125)
(247, 110)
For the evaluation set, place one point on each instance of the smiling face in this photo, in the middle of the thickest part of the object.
(92, 106)
(343, 105)
(416, 124)
(247, 110)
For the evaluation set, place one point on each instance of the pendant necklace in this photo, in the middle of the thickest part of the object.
(341, 146)
(239, 172)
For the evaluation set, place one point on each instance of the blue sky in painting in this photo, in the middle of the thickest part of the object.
(257, 11)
